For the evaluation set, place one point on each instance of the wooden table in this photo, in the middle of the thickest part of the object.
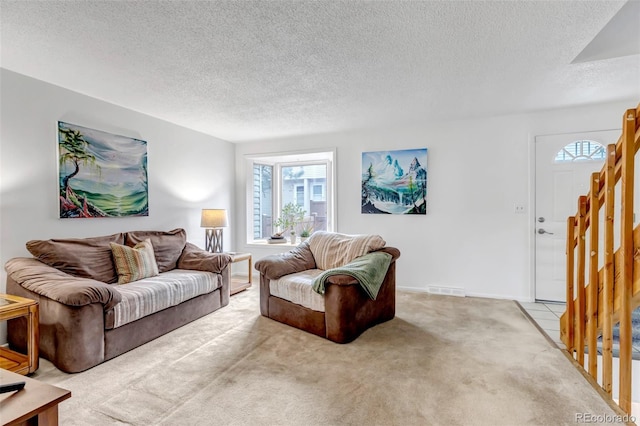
(36, 404)
(237, 285)
(12, 307)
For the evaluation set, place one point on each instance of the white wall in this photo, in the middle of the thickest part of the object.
(187, 170)
(477, 171)
(470, 237)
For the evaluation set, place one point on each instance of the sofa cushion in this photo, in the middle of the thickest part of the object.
(79, 257)
(298, 288)
(167, 246)
(193, 257)
(150, 295)
(332, 250)
(134, 263)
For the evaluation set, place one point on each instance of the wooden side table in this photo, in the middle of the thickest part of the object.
(238, 285)
(15, 307)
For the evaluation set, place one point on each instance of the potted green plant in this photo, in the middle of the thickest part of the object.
(306, 231)
(291, 215)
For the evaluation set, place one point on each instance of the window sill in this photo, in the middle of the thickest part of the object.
(263, 244)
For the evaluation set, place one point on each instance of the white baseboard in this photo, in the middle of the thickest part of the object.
(464, 294)
(497, 296)
(412, 289)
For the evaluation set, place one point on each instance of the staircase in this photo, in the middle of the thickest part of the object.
(603, 264)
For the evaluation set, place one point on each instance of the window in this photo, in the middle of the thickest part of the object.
(318, 192)
(262, 200)
(300, 195)
(305, 179)
(581, 151)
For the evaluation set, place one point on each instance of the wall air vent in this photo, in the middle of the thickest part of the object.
(446, 291)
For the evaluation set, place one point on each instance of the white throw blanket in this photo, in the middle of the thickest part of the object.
(332, 250)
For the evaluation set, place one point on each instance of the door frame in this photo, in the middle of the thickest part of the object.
(531, 227)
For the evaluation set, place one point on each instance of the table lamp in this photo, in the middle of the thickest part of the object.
(213, 220)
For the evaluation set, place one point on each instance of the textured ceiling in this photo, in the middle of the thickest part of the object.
(247, 70)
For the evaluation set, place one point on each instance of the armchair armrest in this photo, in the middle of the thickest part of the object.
(394, 252)
(341, 280)
(194, 258)
(278, 265)
(54, 284)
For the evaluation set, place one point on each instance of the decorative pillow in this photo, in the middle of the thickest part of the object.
(80, 257)
(168, 246)
(134, 263)
(332, 250)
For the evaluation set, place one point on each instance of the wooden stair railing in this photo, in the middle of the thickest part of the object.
(600, 297)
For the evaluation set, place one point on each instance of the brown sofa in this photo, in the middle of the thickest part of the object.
(348, 310)
(87, 318)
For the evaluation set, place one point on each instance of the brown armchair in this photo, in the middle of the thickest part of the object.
(345, 310)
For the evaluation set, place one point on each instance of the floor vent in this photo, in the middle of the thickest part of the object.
(446, 291)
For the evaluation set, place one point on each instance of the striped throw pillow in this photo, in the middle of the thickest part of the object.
(332, 250)
(134, 263)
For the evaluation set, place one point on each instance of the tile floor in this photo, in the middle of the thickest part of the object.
(547, 315)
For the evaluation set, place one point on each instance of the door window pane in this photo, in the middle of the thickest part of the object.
(584, 150)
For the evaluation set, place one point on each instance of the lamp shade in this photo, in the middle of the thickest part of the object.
(214, 218)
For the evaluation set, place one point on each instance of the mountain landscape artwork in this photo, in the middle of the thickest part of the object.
(101, 174)
(394, 182)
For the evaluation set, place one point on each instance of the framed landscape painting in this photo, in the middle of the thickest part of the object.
(394, 182)
(101, 174)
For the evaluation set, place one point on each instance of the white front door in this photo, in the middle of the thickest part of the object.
(559, 183)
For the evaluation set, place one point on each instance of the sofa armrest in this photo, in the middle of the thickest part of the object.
(54, 284)
(278, 265)
(194, 258)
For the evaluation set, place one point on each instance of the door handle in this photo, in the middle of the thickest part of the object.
(542, 231)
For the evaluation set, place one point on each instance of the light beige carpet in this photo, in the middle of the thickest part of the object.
(441, 361)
